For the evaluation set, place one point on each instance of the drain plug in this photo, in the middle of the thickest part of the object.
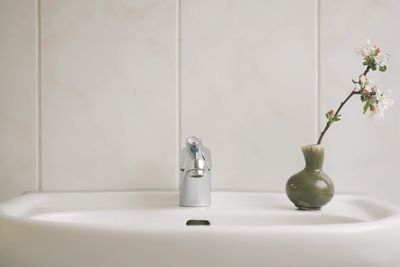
(197, 222)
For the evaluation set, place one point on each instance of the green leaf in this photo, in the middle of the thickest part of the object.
(382, 68)
(336, 118)
(329, 114)
(366, 106)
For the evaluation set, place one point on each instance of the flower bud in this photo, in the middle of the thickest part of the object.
(363, 79)
(372, 108)
(375, 88)
(357, 87)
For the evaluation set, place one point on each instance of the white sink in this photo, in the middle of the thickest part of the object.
(149, 229)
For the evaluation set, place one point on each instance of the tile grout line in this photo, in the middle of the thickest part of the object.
(178, 86)
(39, 97)
(318, 66)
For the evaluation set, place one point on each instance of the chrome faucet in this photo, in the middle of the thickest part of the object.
(195, 174)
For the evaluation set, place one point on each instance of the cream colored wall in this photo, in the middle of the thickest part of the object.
(97, 95)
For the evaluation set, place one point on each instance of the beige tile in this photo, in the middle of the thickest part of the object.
(18, 79)
(109, 94)
(248, 87)
(362, 155)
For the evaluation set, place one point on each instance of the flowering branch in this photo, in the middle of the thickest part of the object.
(373, 98)
(333, 117)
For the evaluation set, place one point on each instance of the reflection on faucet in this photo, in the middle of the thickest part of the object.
(195, 174)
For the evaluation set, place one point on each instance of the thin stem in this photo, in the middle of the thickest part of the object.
(329, 122)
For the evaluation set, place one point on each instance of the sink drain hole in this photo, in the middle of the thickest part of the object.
(197, 222)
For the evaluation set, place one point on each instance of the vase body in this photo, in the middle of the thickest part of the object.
(311, 188)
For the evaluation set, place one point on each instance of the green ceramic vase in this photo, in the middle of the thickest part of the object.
(311, 188)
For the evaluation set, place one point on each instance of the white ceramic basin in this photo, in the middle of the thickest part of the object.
(149, 229)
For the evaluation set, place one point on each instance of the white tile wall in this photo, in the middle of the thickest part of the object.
(113, 110)
(362, 155)
(108, 94)
(18, 93)
(246, 89)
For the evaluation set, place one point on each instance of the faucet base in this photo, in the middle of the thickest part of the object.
(195, 192)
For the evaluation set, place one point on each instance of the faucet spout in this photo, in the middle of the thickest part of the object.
(195, 174)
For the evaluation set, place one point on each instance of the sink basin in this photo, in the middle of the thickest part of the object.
(147, 228)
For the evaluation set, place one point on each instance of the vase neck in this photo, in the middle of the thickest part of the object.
(314, 156)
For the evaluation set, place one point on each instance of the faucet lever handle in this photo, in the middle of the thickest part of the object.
(194, 149)
(194, 145)
(198, 150)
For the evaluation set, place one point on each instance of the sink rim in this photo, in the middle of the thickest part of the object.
(392, 213)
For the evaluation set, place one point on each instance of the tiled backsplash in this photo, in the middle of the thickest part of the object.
(240, 73)
(108, 94)
(98, 94)
(18, 98)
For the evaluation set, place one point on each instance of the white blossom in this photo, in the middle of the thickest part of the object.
(375, 88)
(381, 58)
(366, 50)
(373, 56)
(363, 79)
(383, 102)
